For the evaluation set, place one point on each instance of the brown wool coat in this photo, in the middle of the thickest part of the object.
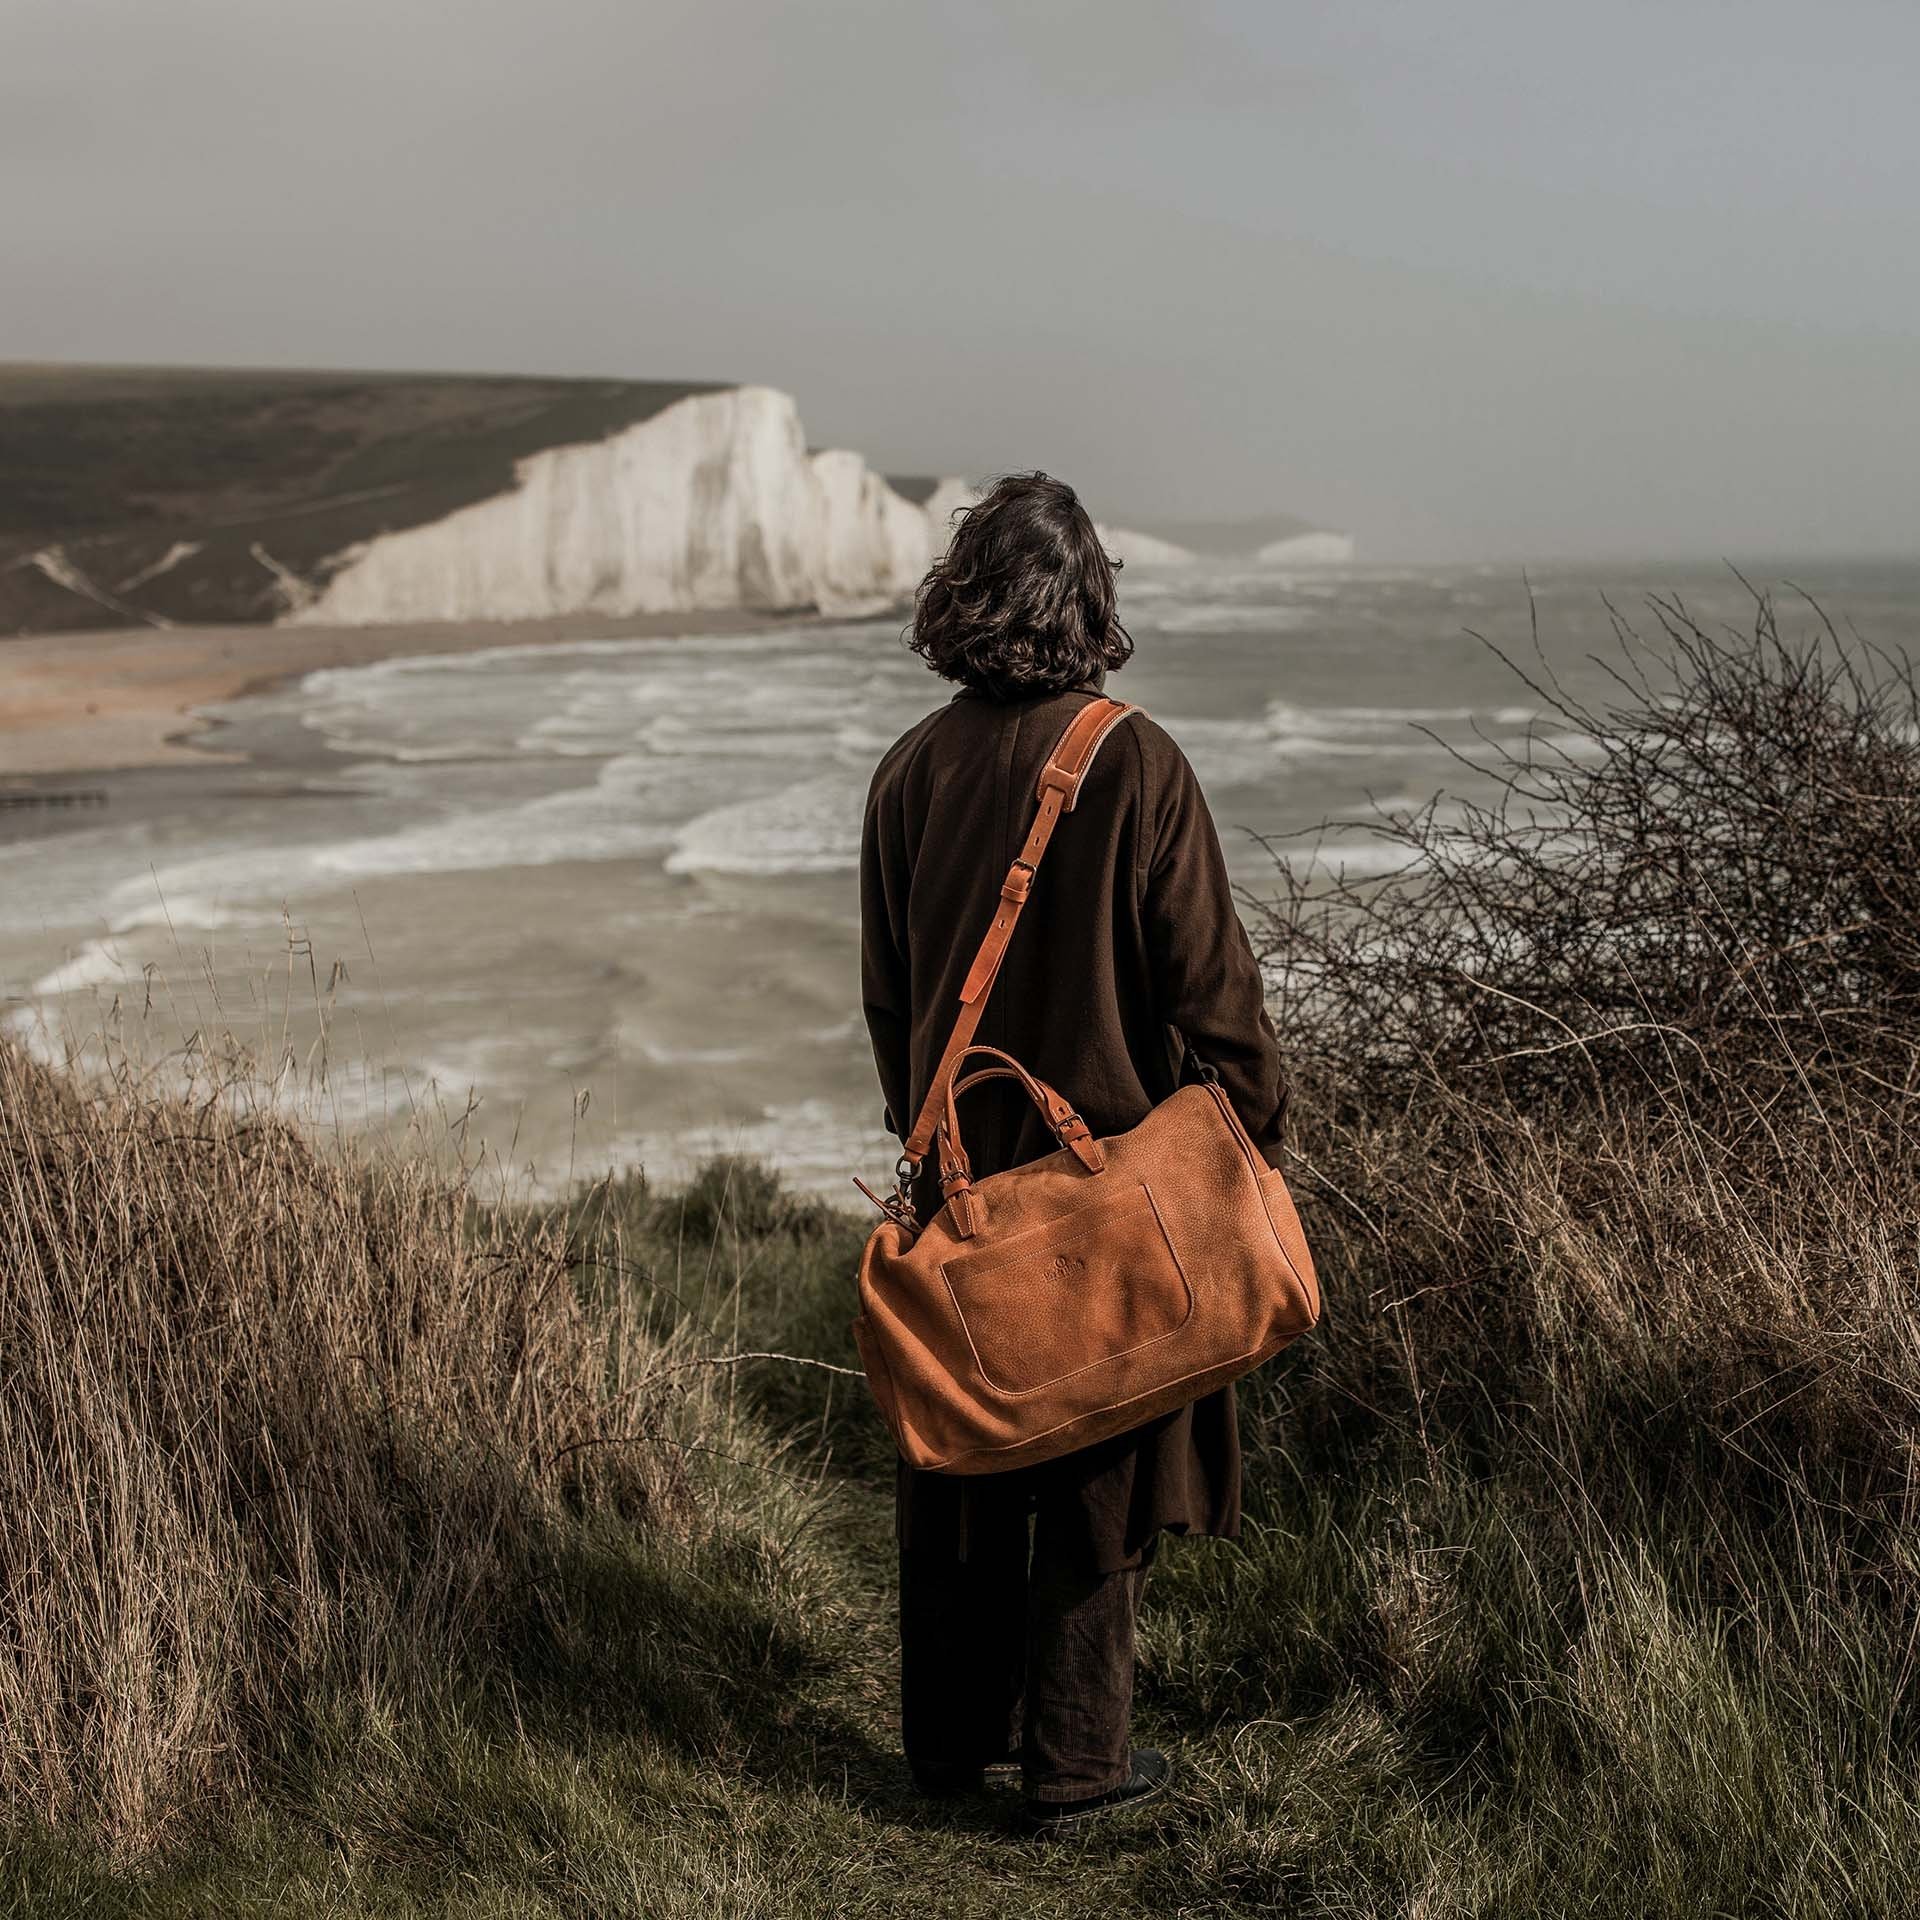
(1128, 943)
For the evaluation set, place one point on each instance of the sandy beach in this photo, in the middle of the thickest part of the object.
(127, 697)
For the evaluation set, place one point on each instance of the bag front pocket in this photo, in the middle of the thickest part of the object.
(1053, 1300)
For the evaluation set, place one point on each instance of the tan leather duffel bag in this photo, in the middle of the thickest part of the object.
(1084, 1293)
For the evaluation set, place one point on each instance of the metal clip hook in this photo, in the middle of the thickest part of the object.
(895, 1206)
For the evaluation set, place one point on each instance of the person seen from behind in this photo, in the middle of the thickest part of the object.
(1129, 968)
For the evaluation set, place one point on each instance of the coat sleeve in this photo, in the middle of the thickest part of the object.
(883, 948)
(1206, 981)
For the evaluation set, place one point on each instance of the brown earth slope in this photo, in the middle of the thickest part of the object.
(131, 495)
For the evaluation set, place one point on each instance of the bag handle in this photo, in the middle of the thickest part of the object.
(956, 1172)
(1058, 790)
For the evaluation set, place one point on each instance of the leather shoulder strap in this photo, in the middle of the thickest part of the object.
(1057, 793)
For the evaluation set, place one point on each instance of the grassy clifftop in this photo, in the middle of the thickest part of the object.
(1582, 1567)
(117, 467)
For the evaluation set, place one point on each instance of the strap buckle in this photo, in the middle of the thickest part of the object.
(896, 1206)
(1018, 883)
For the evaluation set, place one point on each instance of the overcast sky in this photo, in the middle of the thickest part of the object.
(1497, 278)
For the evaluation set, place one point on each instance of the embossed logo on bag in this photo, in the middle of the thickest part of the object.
(1066, 1266)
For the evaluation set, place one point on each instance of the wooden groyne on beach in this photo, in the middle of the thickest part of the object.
(62, 797)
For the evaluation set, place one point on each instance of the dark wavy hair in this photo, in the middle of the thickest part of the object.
(1022, 601)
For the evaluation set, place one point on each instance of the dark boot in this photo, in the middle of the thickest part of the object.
(1151, 1772)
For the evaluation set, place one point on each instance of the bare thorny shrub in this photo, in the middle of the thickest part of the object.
(1606, 1101)
(277, 1431)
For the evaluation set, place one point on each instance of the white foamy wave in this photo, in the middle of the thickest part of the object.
(1358, 859)
(841, 1031)
(1357, 722)
(1228, 618)
(1412, 800)
(1225, 753)
(814, 1145)
(1577, 746)
(627, 813)
(98, 963)
(198, 896)
(1247, 752)
(863, 741)
(58, 883)
(32, 1030)
(245, 885)
(608, 646)
(638, 806)
(476, 1065)
(586, 698)
(659, 1055)
(813, 827)
(414, 710)
(540, 835)
(692, 708)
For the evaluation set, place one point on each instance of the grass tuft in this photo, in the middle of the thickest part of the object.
(276, 1430)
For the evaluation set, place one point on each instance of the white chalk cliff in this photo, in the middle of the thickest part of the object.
(1142, 549)
(1308, 550)
(946, 500)
(713, 502)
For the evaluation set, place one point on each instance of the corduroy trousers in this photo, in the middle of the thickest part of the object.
(1019, 1646)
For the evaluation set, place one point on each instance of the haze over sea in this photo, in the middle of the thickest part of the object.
(625, 868)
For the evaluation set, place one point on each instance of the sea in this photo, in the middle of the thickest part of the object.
(561, 909)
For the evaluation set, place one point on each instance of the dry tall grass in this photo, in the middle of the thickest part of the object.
(1616, 1091)
(275, 1431)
